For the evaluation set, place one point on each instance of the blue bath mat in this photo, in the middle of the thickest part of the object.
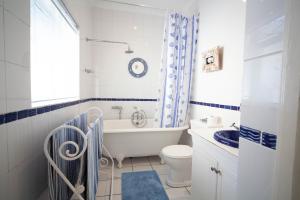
(144, 185)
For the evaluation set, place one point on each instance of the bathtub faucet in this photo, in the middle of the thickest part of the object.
(120, 108)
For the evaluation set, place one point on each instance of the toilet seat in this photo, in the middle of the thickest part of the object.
(178, 151)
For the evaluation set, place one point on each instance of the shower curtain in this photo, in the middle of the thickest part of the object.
(178, 60)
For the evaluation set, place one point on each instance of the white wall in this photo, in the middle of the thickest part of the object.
(23, 172)
(221, 24)
(82, 12)
(270, 98)
(144, 33)
(296, 173)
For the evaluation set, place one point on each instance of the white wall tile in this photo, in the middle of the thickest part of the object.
(17, 40)
(109, 24)
(264, 27)
(225, 86)
(2, 88)
(22, 181)
(40, 130)
(3, 151)
(256, 168)
(4, 186)
(20, 142)
(228, 116)
(20, 9)
(262, 85)
(18, 87)
(1, 33)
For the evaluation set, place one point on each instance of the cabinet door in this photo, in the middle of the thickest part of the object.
(227, 185)
(204, 180)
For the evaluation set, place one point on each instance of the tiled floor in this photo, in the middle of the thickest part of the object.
(138, 164)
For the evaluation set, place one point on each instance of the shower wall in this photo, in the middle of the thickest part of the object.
(144, 33)
(23, 167)
(82, 12)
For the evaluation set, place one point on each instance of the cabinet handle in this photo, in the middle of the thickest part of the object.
(218, 172)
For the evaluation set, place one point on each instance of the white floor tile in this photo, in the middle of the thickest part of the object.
(117, 186)
(126, 162)
(118, 172)
(163, 180)
(139, 164)
(140, 161)
(103, 188)
(102, 198)
(154, 160)
(105, 174)
(116, 197)
(142, 168)
(161, 169)
(178, 194)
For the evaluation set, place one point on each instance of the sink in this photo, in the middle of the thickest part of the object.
(228, 137)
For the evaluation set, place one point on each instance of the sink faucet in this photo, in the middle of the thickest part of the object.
(120, 108)
(235, 126)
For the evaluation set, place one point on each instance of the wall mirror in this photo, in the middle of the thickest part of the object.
(137, 67)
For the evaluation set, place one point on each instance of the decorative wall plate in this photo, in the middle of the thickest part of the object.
(213, 59)
(137, 67)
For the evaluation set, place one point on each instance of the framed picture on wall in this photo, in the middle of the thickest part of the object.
(213, 59)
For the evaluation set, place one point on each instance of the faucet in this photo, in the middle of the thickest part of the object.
(235, 126)
(120, 108)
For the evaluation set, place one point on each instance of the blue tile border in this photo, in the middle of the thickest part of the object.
(250, 134)
(22, 114)
(214, 105)
(268, 140)
(123, 99)
(2, 119)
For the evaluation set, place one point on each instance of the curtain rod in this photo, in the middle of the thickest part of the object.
(134, 4)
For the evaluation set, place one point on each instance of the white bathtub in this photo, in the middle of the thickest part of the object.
(123, 140)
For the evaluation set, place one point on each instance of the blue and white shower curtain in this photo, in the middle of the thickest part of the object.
(178, 60)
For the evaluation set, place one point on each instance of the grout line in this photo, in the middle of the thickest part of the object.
(187, 190)
(150, 163)
(262, 56)
(18, 65)
(17, 17)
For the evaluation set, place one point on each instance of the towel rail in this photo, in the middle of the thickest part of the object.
(105, 160)
(78, 152)
(68, 156)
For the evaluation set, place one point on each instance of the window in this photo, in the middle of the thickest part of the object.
(54, 53)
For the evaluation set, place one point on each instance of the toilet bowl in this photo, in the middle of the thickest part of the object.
(179, 160)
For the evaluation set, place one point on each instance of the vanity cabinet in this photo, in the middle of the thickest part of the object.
(214, 171)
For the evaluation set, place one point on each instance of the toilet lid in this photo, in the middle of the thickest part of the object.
(178, 151)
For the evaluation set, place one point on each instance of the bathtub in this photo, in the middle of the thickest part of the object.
(122, 139)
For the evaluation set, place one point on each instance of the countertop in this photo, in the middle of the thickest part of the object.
(208, 134)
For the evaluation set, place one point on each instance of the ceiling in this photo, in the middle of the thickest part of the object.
(163, 4)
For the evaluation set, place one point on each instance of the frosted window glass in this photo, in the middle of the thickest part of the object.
(54, 55)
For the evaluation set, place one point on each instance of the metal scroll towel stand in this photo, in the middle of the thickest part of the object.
(78, 189)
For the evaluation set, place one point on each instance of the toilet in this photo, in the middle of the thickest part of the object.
(179, 160)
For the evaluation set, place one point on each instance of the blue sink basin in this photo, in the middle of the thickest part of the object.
(228, 137)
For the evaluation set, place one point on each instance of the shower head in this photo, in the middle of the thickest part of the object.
(129, 50)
